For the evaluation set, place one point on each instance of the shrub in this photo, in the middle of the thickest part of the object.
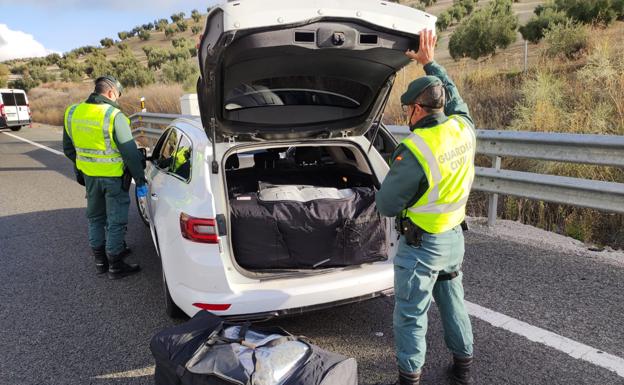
(26, 83)
(40, 74)
(144, 35)
(107, 42)
(122, 46)
(182, 42)
(129, 71)
(156, 58)
(427, 3)
(96, 65)
(485, 31)
(53, 58)
(568, 40)
(180, 71)
(182, 25)
(4, 75)
(161, 24)
(594, 11)
(122, 35)
(177, 17)
(444, 21)
(196, 15)
(196, 29)
(458, 12)
(169, 31)
(534, 29)
(179, 53)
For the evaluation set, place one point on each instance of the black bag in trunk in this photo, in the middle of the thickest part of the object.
(318, 233)
(208, 351)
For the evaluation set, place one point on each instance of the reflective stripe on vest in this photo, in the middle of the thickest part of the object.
(90, 126)
(446, 153)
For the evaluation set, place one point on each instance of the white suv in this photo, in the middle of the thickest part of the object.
(265, 206)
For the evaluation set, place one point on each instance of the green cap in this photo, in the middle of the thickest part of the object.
(416, 87)
(112, 80)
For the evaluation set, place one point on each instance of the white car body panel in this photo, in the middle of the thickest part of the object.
(248, 14)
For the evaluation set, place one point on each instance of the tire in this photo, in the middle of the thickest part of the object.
(172, 310)
(16, 128)
(141, 208)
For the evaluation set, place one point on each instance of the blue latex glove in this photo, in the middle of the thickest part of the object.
(141, 191)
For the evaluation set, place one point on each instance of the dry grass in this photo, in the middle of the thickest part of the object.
(48, 102)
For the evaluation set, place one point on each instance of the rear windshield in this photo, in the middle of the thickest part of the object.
(11, 99)
(297, 91)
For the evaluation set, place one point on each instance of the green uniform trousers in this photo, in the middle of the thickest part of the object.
(107, 211)
(416, 271)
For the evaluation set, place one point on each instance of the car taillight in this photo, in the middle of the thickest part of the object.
(198, 229)
(28, 107)
(2, 110)
(213, 306)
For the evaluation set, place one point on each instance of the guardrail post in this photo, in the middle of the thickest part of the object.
(493, 201)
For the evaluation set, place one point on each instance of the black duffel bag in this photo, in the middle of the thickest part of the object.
(207, 350)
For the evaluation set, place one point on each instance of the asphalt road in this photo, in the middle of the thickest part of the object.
(60, 324)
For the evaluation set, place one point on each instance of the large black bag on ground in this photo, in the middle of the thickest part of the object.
(208, 351)
(319, 233)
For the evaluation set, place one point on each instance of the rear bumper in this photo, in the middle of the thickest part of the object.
(274, 298)
(5, 123)
(306, 309)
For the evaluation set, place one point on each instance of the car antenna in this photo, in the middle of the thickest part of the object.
(381, 113)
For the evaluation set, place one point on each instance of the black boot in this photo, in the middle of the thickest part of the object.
(126, 250)
(101, 263)
(408, 378)
(460, 371)
(117, 268)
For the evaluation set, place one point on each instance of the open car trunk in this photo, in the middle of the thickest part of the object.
(304, 208)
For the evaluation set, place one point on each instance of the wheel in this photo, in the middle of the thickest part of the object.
(141, 207)
(171, 308)
(16, 128)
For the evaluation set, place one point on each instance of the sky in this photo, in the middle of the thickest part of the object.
(30, 28)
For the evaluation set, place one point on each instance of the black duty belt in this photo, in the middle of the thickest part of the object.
(448, 276)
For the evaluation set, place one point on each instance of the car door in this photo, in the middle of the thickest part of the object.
(10, 109)
(169, 190)
(21, 103)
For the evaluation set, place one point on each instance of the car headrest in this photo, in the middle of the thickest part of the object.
(232, 162)
(307, 155)
(264, 160)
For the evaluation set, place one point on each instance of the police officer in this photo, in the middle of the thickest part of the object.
(426, 189)
(98, 140)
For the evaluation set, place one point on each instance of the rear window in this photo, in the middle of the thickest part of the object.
(21, 99)
(297, 91)
(8, 99)
(11, 99)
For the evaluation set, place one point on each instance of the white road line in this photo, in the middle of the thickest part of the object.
(532, 333)
(544, 337)
(57, 152)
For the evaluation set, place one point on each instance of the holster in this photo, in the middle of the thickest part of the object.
(412, 233)
(126, 179)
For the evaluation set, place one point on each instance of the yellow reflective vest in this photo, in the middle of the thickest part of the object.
(446, 153)
(90, 127)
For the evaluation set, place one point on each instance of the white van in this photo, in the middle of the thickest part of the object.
(14, 109)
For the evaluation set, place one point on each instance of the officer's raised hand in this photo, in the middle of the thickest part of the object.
(426, 48)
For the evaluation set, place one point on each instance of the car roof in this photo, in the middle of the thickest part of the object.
(12, 90)
(251, 14)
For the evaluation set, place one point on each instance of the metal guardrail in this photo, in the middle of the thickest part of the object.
(603, 150)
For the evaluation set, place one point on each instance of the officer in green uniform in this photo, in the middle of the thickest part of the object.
(97, 138)
(426, 189)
